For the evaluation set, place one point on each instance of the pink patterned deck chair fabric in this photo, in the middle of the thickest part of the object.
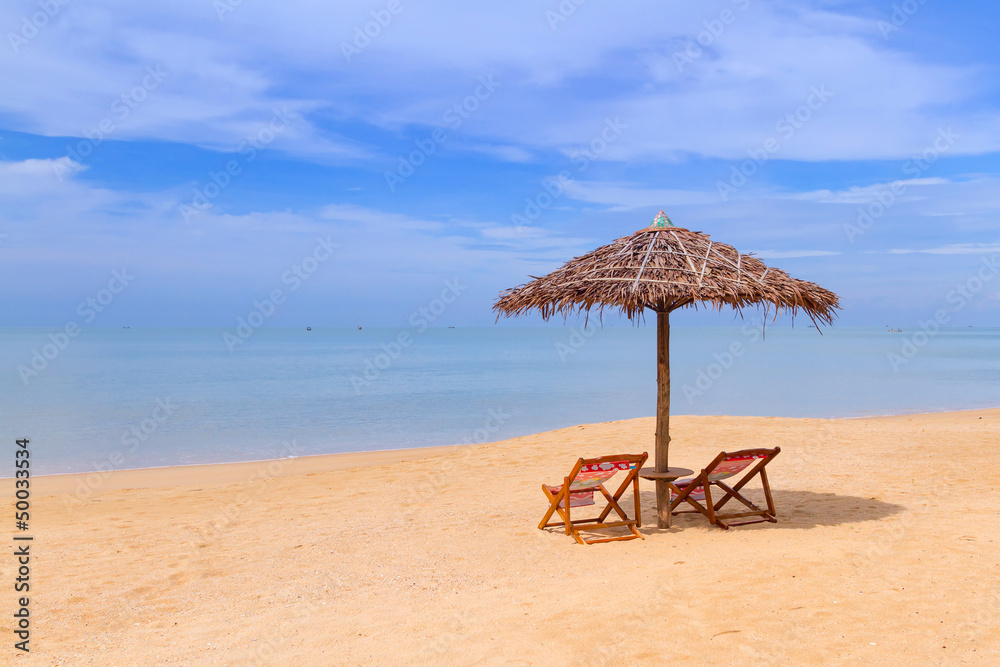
(591, 475)
(698, 493)
(587, 478)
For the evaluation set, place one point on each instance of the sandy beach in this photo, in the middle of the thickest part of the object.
(886, 551)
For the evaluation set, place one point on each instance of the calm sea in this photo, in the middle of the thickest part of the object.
(132, 398)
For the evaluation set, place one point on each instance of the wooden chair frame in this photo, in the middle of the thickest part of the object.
(710, 509)
(570, 525)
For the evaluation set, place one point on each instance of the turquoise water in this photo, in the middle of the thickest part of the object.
(131, 398)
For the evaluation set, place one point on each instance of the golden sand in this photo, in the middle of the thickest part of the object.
(886, 551)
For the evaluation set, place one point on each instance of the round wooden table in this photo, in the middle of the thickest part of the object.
(668, 475)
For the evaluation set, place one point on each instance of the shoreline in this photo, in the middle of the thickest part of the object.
(203, 474)
(885, 534)
(230, 472)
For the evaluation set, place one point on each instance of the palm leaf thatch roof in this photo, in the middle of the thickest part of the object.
(662, 268)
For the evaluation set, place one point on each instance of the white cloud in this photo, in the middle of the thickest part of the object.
(39, 169)
(788, 254)
(117, 73)
(506, 153)
(865, 194)
(58, 232)
(629, 196)
(226, 77)
(31, 177)
(951, 249)
(37, 190)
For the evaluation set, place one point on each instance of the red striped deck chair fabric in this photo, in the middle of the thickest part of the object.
(697, 491)
(587, 477)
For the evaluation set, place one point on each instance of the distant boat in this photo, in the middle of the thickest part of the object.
(895, 331)
(451, 327)
(309, 328)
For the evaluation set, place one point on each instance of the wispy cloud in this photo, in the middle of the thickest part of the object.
(864, 194)
(223, 79)
(789, 254)
(950, 249)
(506, 153)
(630, 196)
(219, 82)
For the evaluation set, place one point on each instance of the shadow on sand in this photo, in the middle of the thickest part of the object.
(795, 509)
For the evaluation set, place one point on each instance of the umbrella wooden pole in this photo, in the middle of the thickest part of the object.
(662, 416)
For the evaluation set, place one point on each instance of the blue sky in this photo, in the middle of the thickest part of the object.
(207, 147)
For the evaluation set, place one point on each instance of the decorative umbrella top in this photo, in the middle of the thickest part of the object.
(664, 267)
(662, 220)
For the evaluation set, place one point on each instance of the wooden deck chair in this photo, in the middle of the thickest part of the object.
(587, 476)
(698, 490)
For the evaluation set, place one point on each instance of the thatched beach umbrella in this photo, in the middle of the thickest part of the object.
(662, 268)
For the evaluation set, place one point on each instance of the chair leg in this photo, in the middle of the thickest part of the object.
(568, 498)
(553, 504)
(734, 493)
(682, 495)
(767, 494)
(607, 508)
(638, 505)
(730, 494)
(714, 518)
(631, 478)
(723, 520)
(612, 504)
(708, 505)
